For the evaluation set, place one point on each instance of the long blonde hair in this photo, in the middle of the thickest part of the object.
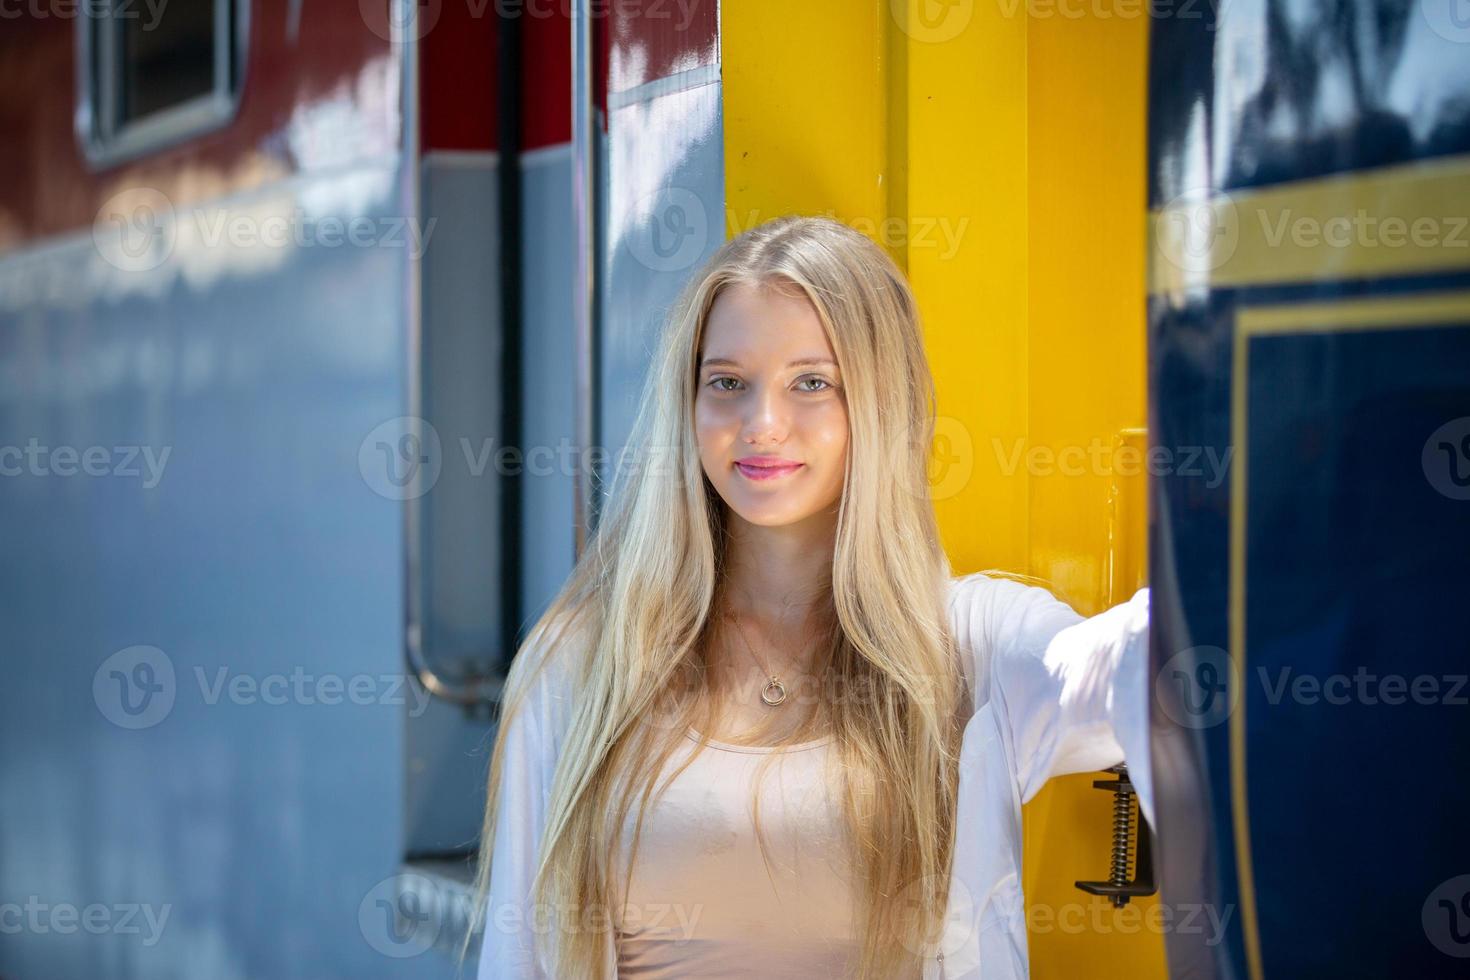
(633, 616)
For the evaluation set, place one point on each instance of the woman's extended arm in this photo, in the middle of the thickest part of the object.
(1070, 691)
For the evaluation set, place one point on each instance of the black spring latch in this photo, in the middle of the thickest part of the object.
(1118, 888)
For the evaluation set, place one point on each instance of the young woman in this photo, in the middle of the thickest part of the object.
(762, 731)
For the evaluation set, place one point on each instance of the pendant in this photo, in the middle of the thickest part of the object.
(775, 698)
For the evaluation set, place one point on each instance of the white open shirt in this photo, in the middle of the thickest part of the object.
(1054, 693)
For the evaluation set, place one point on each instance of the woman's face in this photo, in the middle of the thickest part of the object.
(769, 392)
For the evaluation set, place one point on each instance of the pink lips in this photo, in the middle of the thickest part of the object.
(766, 467)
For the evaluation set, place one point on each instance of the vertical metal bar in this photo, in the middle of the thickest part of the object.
(585, 285)
(512, 321)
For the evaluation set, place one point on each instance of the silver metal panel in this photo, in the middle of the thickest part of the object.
(205, 700)
(548, 355)
(459, 510)
(664, 193)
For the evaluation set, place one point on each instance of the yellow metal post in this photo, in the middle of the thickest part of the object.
(998, 153)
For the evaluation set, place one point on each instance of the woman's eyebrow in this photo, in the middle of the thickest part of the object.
(799, 362)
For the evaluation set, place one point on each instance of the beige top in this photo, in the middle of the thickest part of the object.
(702, 901)
(1051, 692)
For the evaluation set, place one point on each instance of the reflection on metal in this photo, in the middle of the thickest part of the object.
(1393, 220)
(585, 283)
(471, 689)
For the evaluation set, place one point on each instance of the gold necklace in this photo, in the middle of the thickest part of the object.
(774, 692)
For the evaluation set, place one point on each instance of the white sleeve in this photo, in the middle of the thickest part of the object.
(516, 933)
(1070, 692)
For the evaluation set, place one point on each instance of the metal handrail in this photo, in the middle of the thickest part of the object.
(473, 691)
(584, 220)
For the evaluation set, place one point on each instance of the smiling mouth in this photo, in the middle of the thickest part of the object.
(767, 472)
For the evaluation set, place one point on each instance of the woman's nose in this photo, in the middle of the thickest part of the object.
(765, 417)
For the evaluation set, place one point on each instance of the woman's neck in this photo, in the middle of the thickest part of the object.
(778, 576)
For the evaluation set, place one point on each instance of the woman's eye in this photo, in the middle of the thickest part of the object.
(718, 384)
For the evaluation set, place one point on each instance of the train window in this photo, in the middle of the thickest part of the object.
(152, 76)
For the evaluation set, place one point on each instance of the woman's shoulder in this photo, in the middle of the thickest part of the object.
(981, 603)
(545, 675)
(992, 611)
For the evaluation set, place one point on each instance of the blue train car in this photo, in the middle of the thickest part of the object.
(1310, 314)
(287, 293)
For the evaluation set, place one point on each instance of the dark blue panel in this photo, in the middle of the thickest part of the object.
(1356, 573)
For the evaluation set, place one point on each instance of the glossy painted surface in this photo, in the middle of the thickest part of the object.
(298, 115)
(662, 196)
(651, 40)
(1330, 368)
(953, 137)
(204, 708)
